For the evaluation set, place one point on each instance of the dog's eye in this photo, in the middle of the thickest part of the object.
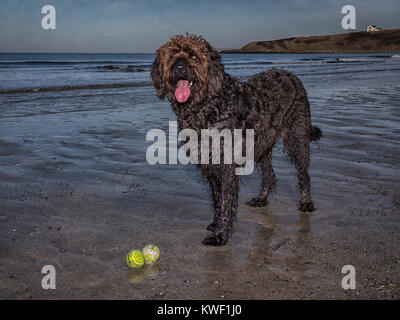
(194, 57)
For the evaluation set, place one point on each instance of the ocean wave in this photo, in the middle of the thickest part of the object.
(361, 60)
(311, 59)
(125, 68)
(63, 62)
(353, 61)
(298, 62)
(317, 73)
(247, 63)
(382, 56)
(78, 87)
(259, 64)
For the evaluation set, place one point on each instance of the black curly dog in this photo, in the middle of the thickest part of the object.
(189, 72)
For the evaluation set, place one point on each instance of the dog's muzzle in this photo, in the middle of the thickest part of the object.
(181, 75)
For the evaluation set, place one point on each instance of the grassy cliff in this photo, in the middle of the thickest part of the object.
(381, 41)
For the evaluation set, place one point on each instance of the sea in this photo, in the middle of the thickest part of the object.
(46, 70)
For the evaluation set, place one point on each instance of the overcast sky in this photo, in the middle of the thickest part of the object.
(142, 26)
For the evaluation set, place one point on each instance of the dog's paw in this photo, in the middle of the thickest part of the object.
(216, 239)
(306, 206)
(212, 227)
(257, 202)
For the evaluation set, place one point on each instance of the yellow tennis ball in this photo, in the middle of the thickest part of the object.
(135, 259)
(151, 253)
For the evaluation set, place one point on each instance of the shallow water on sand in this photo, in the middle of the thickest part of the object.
(76, 188)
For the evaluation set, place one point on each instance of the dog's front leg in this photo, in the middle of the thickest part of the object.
(225, 193)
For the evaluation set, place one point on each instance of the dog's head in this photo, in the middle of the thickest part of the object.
(187, 70)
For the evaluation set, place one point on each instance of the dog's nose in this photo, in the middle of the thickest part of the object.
(180, 65)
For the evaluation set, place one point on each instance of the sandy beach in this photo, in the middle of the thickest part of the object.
(77, 193)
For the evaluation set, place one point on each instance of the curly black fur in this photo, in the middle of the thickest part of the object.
(273, 103)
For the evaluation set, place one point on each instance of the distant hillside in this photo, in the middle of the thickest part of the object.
(380, 41)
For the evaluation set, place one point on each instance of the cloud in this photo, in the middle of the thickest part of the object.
(141, 26)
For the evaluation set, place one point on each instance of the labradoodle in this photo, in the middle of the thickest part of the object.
(189, 72)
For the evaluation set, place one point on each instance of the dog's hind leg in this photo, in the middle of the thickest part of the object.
(221, 227)
(297, 143)
(216, 195)
(268, 181)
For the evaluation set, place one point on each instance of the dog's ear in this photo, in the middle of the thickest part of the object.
(215, 72)
(157, 76)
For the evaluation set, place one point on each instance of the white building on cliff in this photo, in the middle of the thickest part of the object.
(372, 28)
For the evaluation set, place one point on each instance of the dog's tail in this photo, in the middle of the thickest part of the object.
(315, 133)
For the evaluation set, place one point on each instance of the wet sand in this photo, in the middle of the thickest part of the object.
(76, 192)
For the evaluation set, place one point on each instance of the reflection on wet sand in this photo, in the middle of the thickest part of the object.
(136, 276)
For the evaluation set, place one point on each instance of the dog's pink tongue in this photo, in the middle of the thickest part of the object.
(182, 93)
